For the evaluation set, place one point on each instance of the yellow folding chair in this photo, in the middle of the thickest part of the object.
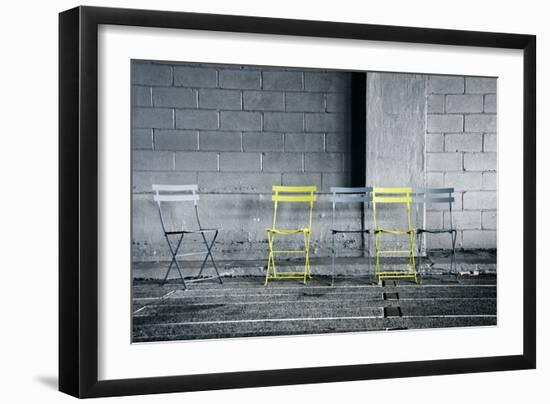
(293, 194)
(395, 197)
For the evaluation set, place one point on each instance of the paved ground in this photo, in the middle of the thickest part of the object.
(243, 307)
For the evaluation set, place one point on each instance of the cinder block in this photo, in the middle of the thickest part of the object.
(481, 85)
(464, 103)
(283, 122)
(463, 181)
(489, 220)
(151, 74)
(335, 179)
(464, 220)
(434, 180)
(302, 179)
(263, 101)
(142, 139)
(480, 161)
(338, 142)
(239, 161)
(196, 161)
(480, 200)
(282, 81)
(141, 96)
(196, 119)
(479, 239)
(469, 142)
(263, 141)
(327, 82)
(243, 182)
(300, 142)
(152, 118)
(444, 161)
(338, 102)
(146, 160)
(436, 103)
(435, 142)
(480, 123)
(142, 181)
(219, 99)
(445, 85)
(174, 97)
(176, 140)
(219, 141)
(444, 123)
(332, 122)
(240, 79)
(282, 162)
(241, 121)
(305, 102)
(490, 104)
(324, 162)
(489, 142)
(186, 76)
(489, 181)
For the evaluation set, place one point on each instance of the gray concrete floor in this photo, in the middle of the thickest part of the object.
(243, 307)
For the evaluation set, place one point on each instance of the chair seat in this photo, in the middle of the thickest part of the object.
(350, 231)
(380, 230)
(288, 231)
(436, 231)
(192, 231)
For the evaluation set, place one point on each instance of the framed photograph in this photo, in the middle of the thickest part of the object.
(251, 201)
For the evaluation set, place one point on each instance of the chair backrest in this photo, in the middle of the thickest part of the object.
(428, 196)
(394, 196)
(293, 194)
(349, 195)
(176, 193)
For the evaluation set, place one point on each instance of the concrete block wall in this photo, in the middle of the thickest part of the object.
(461, 139)
(236, 131)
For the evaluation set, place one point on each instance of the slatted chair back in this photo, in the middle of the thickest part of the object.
(349, 195)
(429, 196)
(176, 193)
(392, 196)
(293, 194)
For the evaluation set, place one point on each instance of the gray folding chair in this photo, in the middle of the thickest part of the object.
(428, 196)
(353, 195)
(184, 193)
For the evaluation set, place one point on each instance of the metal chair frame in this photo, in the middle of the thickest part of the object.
(394, 196)
(426, 196)
(292, 194)
(184, 193)
(348, 195)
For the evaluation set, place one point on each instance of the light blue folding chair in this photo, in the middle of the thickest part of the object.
(354, 195)
(184, 193)
(429, 196)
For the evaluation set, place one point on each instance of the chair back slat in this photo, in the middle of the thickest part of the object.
(350, 199)
(294, 198)
(175, 188)
(175, 198)
(350, 190)
(294, 189)
(392, 195)
(433, 195)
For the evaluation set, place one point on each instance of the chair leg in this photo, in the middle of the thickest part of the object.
(333, 257)
(270, 259)
(174, 259)
(209, 247)
(453, 245)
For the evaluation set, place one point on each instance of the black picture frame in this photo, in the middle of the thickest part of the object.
(78, 201)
